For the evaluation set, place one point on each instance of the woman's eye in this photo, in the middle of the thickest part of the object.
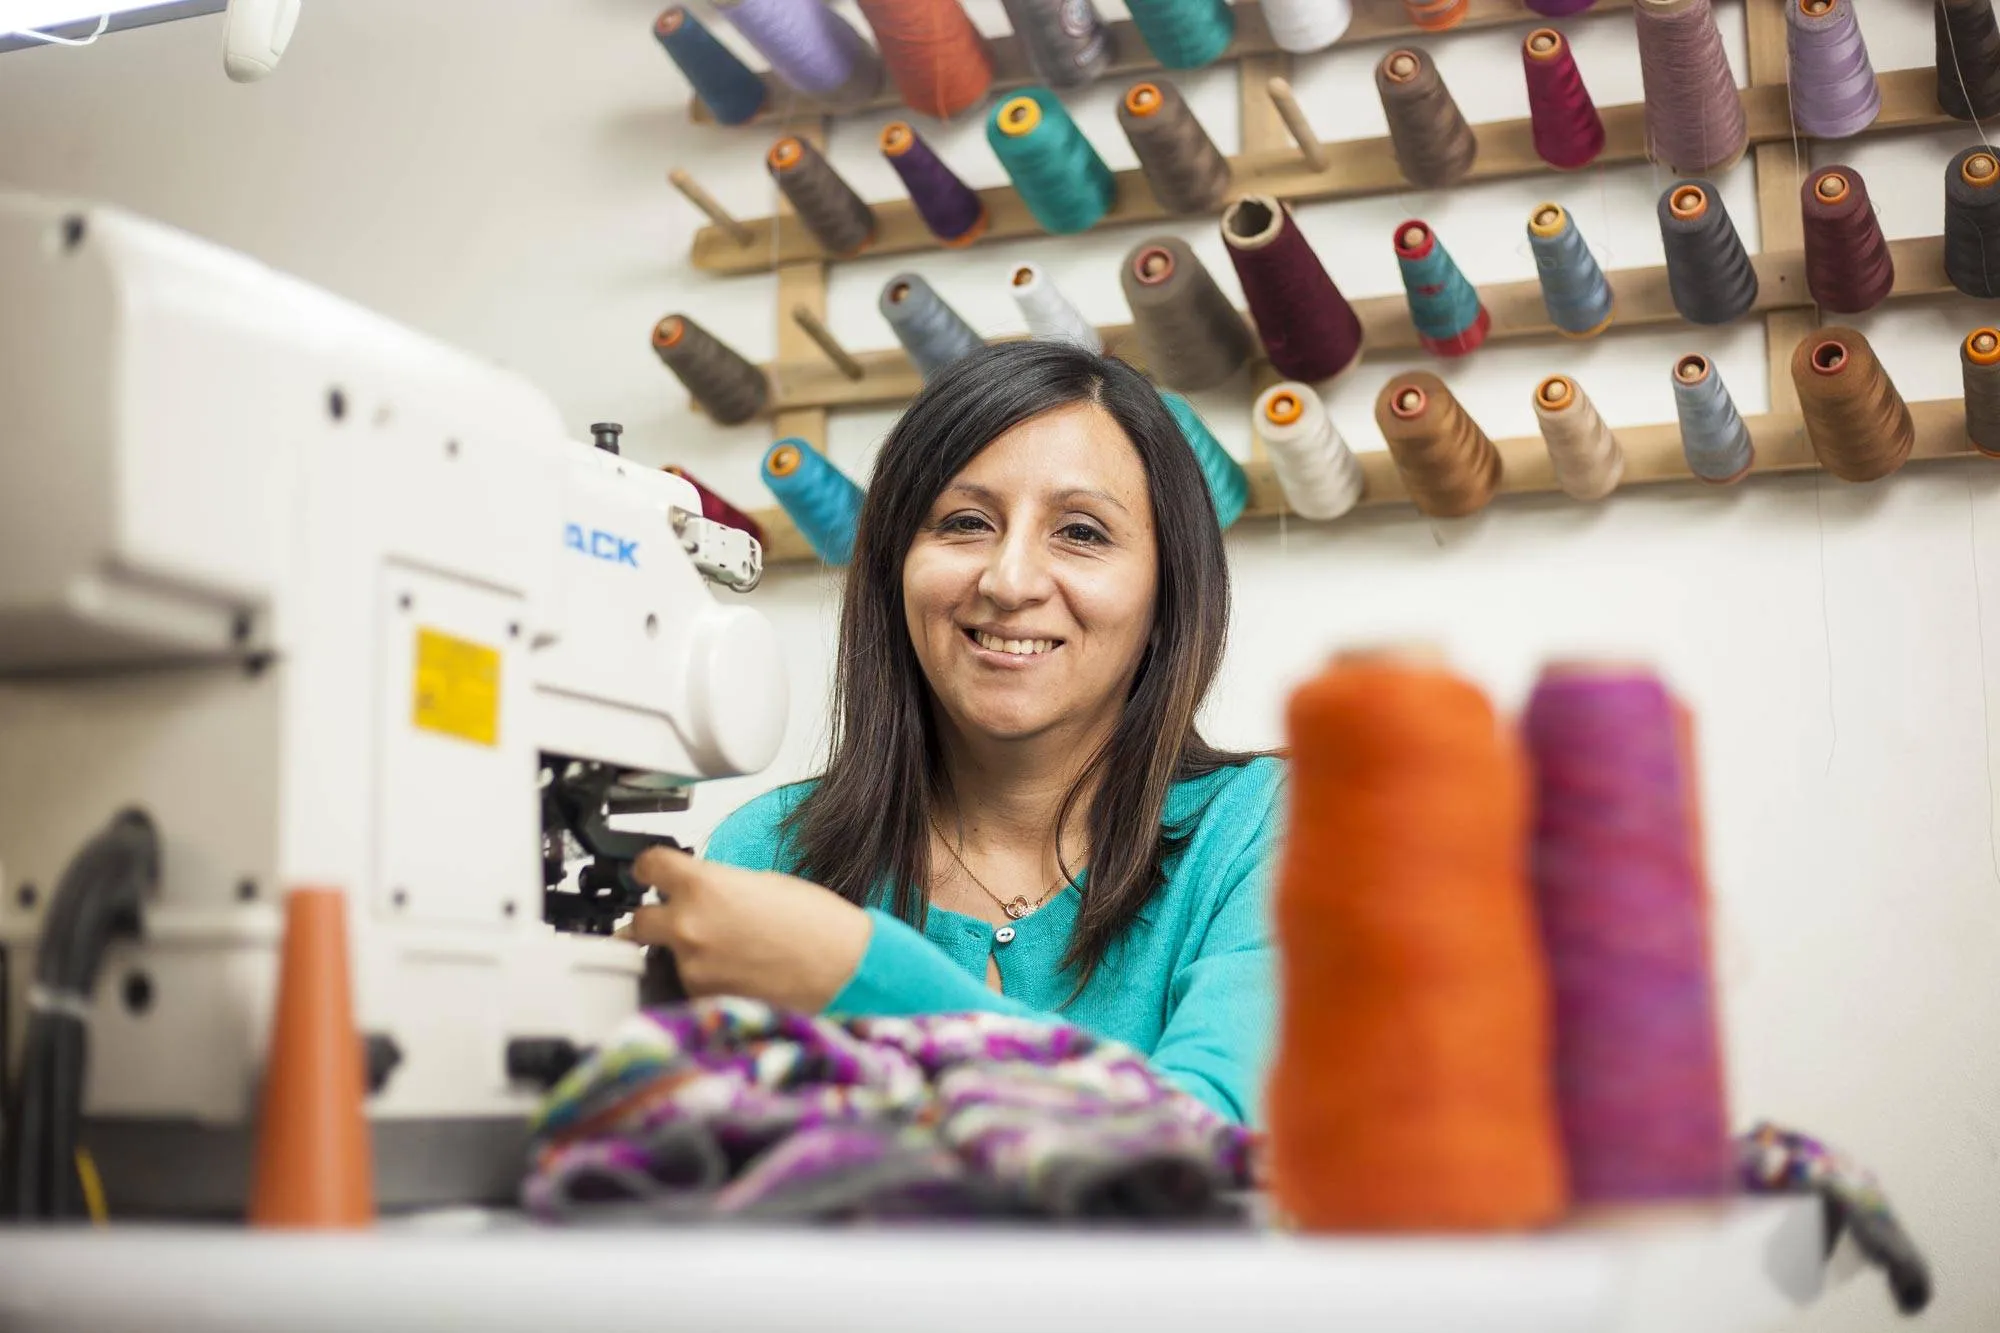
(1083, 533)
(963, 523)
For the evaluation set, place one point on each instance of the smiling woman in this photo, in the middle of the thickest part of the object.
(1018, 813)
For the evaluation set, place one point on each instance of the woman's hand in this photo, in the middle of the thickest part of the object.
(749, 932)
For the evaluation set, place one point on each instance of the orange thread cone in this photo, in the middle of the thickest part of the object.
(314, 1167)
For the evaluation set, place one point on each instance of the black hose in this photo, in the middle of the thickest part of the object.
(101, 896)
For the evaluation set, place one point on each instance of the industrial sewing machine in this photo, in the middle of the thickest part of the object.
(325, 603)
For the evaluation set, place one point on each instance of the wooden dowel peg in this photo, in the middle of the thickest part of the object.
(819, 333)
(705, 201)
(1295, 121)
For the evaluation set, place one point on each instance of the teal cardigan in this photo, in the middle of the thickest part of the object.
(1191, 983)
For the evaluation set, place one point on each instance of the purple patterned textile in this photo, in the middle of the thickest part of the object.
(730, 1107)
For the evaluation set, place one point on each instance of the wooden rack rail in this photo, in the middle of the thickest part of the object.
(1356, 168)
(888, 377)
(1374, 21)
(1652, 455)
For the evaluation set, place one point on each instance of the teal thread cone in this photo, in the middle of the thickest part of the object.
(822, 502)
(1184, 34)
(1227, 485)
(1574, 290)
(1060, 177)
(1443, 305)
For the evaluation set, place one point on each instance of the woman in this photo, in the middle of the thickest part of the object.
(1018, 814)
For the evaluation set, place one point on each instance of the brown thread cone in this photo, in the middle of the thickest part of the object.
(314, 1166)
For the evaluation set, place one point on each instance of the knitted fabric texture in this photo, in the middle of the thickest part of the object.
(733, 1108)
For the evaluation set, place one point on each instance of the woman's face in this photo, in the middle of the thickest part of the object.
(1029, 589)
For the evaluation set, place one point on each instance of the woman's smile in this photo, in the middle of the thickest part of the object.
(1012, 650)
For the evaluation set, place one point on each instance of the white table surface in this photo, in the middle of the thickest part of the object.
(1740, 1265)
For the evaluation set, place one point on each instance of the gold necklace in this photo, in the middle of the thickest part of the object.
(1016, 907)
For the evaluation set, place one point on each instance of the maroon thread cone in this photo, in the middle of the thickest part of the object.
(1848, 265)
(1567, 129)
(1309, 330)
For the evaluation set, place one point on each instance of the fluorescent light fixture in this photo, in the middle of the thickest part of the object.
(40, 14)
(77, 18)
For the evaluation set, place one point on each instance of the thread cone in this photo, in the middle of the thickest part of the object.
(314, 1166)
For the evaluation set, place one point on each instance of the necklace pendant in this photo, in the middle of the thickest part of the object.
(1016, 909)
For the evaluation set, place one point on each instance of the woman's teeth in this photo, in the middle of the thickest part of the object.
(1019, 647)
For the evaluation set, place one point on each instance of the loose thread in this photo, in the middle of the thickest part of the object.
(827, 206)
(1182, 165)
(1058, 175)
(1227, 486)
(1709, 273)
(1858, 425)
(1049, 313)
(1574, 289)
(728, 387)
(1319, 474)
(936, 58)
(948, 206)
(1189, 336)
(1588, 462)
(1447, 312)
(1434, 145)
(1447, 462)
(1848, 265)
(1066, 42)
(811, 48)
(1308, 329)
(1568, 132)
(1694, 118)
(727, 86)
(1832, 83)
(1714, 439)
(1979, 364)
(931, 331)
(716, 509)
(1972, 221)
(822, 502)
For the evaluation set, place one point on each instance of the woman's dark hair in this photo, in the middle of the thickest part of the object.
(868, 820)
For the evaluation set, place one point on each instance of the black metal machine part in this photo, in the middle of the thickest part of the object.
(577, 802)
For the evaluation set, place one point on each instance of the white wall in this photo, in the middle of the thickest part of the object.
(490, 171)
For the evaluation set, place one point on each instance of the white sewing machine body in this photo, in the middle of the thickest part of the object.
(330, 602)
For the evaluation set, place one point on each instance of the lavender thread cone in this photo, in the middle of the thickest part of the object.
(809, 46)
(1834, 93)
(1623, 910)
(948, 206)
(1694, 117)
(1557, 9)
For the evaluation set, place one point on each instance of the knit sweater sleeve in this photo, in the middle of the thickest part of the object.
(1222, 1001)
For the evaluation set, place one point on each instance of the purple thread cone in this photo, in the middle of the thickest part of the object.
(1557, 9)
(1833, 87)
(1623, 911)
(809, 46)
(947, 204)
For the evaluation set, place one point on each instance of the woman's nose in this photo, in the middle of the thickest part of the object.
(1017, 573)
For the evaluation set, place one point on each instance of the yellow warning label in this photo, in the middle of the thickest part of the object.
(457, 688)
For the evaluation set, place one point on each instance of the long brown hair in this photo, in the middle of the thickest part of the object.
(868, 820)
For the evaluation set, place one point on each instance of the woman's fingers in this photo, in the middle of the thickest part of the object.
(666, 869)
(651, 924)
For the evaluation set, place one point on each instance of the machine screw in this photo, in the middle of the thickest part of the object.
(336, 404)
(138, 992)
(27, 895)
(246, 890)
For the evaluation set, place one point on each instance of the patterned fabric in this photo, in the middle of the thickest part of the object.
(732, 1107)
(1770, 1160)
